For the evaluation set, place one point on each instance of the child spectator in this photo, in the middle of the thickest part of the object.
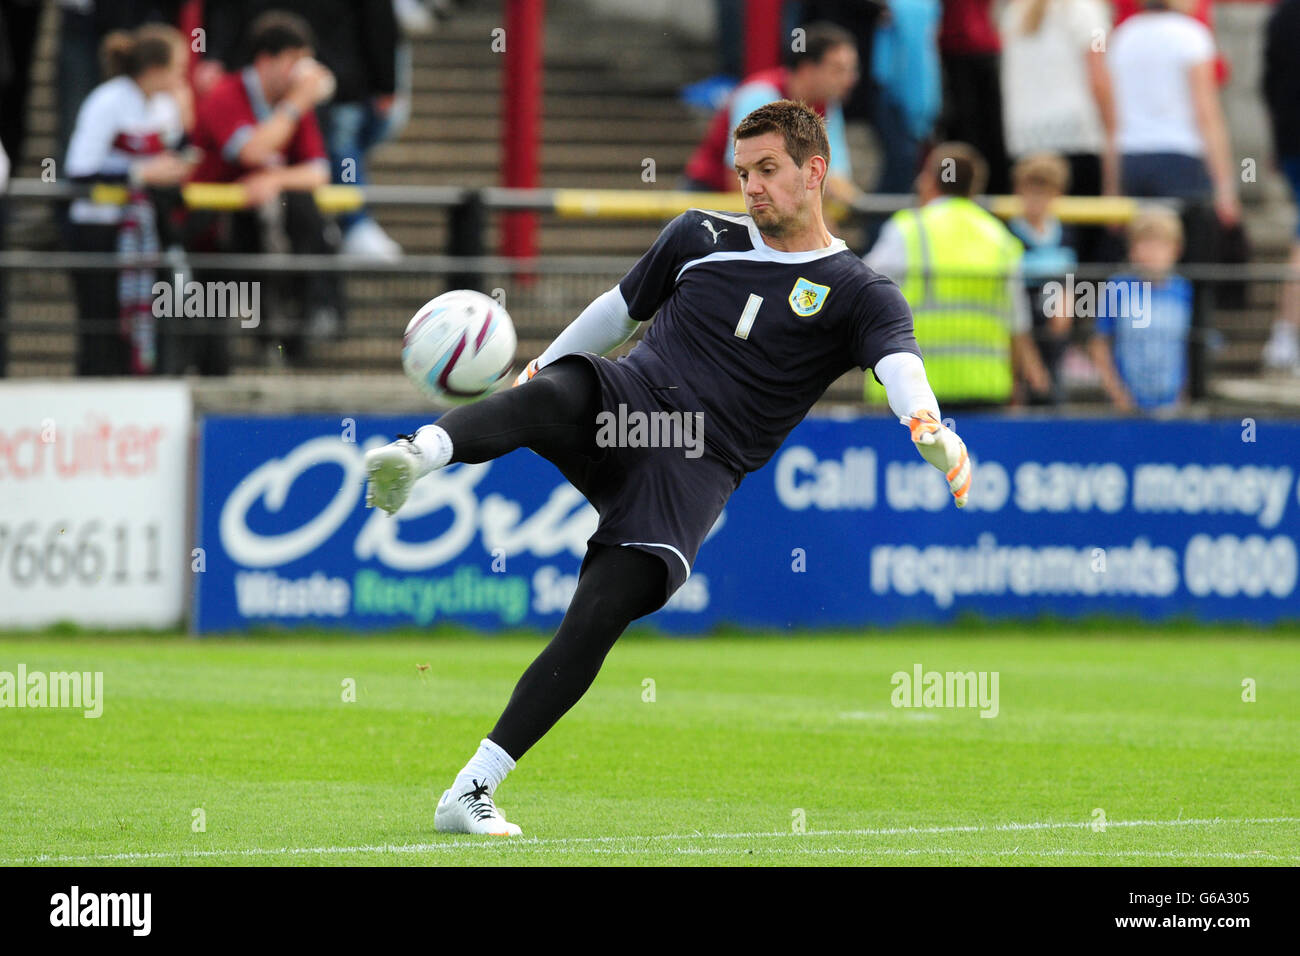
(1039, 180)
(1144, 320)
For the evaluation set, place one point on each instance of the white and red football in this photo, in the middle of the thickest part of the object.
(458, 346)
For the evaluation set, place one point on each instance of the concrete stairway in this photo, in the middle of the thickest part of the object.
(610, 102)
(608, 105)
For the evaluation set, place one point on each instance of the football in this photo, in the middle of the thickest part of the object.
(458, 346)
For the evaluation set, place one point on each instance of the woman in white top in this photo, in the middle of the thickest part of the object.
(1056, 94)
(127, 131)
(1170, 131)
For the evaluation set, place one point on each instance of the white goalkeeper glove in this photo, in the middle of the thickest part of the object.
(942, 448)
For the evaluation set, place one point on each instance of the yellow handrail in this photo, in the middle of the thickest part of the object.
(626, 203)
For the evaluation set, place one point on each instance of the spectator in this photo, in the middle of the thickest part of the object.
(258, 127)
(18, 22)
(959, 269)
(4, 298)
(358, 42)
(909, 88)
(413, 17)
(83, 25)
(969, 47)
(820, 75)
(729, 15)
(1072, 114)
(1170, 130)
(388, 123)
(127, 131)
(1039, 180)
(1282, 96)
(860, 19)
(1202, 10)
(1147, 315)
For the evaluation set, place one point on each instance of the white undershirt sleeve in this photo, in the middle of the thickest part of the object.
(906, 387)
(602, 326)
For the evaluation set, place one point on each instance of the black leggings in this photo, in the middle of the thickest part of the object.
(556, 413)
(617, 585)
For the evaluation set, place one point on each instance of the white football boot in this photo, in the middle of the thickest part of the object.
(391, 471)
(472, 812)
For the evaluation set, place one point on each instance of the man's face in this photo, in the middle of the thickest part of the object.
(277, 79)
(835, 76)
(777, 193)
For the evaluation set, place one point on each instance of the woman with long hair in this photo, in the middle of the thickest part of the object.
(127, 131)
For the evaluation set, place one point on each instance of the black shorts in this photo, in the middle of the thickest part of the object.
(656, 499)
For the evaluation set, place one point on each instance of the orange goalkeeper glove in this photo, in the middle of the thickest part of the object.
(529, 371)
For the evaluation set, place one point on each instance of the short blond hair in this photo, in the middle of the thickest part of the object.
(1156, 222)
(1042, 169)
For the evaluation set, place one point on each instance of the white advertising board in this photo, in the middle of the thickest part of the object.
(92, 502)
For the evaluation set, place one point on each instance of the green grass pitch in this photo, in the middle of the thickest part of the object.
(747, 736)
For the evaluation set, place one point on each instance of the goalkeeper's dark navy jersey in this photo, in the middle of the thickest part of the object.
(750, 336)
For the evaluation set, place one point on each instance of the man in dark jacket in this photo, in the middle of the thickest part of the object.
(1282, 94)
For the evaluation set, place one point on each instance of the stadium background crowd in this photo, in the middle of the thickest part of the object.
(1040, 98)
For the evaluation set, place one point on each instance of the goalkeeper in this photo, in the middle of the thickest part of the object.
(754, 317)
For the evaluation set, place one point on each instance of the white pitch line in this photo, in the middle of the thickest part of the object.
(531, 842)
(949, 851)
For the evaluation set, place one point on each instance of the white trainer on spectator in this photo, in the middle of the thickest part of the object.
(1283, 348)
(414, 17)
(324, 324)
(367, 238)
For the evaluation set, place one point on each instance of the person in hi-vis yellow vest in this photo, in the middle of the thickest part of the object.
(958, 267)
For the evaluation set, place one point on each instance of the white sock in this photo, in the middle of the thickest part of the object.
(489, 766)
(435, 445)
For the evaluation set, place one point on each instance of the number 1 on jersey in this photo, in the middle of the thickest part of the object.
(748, 316)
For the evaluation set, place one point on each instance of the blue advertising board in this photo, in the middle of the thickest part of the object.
(846, 526)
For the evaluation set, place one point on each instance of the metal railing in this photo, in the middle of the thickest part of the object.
(542, 294)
